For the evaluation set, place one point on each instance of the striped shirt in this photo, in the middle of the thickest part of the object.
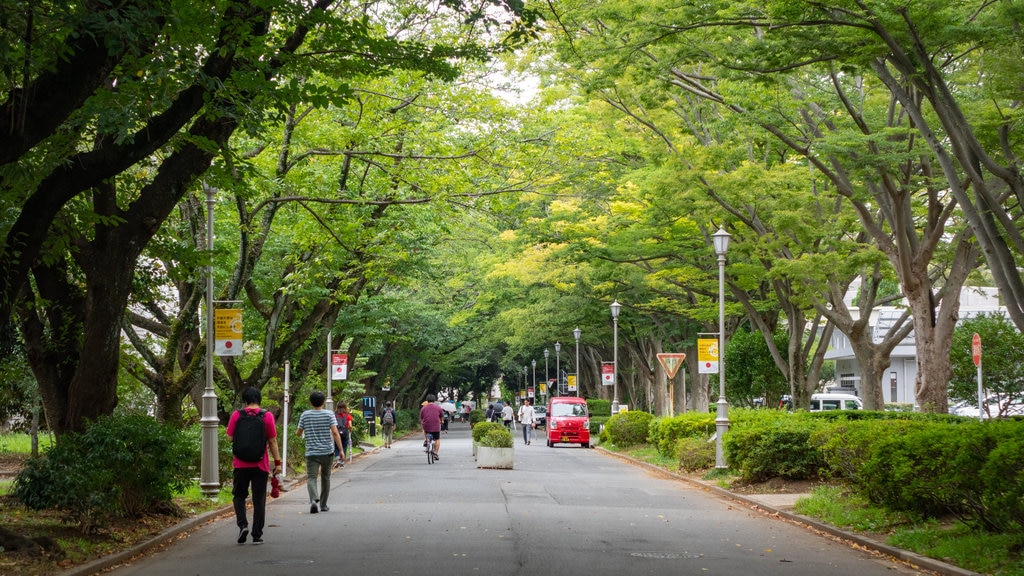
(316, 428)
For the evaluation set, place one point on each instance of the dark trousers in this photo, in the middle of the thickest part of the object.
(244, 478)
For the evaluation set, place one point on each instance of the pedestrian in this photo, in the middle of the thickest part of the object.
(251, 430)
(466, 409)
(344, 419)
(489, 415)
(526, 418)
(320, 429)
(388, 418)
(507, 415)
(430, 420)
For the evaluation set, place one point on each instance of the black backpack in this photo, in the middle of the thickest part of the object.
(250, 438)
(389, 416)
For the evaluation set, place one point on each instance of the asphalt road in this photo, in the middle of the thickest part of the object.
(562, 511)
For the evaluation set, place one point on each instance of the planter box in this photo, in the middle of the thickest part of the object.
(487, 457)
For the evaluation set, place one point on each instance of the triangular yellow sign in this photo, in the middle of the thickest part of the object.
(671, 362)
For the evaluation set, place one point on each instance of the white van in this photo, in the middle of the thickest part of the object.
(835, 401)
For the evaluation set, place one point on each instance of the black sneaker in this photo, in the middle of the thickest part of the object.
(325, 509)
(313, 508)
(243, 533)
(257, 540)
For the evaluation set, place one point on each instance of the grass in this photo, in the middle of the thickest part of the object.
(20, 443)
(952, 542)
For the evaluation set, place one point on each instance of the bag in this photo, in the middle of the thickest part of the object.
(388, 418)
(250, 438)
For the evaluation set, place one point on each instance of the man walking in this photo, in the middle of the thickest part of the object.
(251, 431)
(526, 418)
(321, 432)
(387, 423)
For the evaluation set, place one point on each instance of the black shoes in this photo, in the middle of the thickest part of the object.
(256, 540)
(243, 533)
(325, 509)
(313, 508)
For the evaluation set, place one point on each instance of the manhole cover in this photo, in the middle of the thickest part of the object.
(285, 562)
(664, 555)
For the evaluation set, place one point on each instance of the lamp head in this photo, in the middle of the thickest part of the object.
(534, 362)
(615, 308)
(721, 240)
(558, 347)
(576, 333)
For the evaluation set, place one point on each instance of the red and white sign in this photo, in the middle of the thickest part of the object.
(607, 373)
(339, 366)
(671, 362)
(976, 349)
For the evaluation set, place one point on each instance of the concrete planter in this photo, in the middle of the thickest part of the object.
(487, 457)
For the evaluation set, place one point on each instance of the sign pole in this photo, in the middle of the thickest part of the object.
(976, 353)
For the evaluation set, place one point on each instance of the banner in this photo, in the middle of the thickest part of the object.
(707, 355)
(227, 331)
(607, 373)
(339, 366)
(571, 379)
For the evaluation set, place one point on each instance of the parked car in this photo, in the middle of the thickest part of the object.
(995, 407)
(835, 401)
(568, 421)
(540, 416)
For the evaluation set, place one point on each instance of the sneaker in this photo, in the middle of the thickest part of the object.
(243, 533)
(325, 509)
(256, 540)
(313, 508)
(436, 457)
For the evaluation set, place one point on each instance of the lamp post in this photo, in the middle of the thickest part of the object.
(558, 367)
(721, 239)
(576, 334)
(534, 362)
(209, 482)
(615, 356)
(524, 385)
(547, 379)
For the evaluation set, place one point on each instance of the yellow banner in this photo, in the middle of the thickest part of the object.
(707, 355)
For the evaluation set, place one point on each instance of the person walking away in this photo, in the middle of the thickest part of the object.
(320, 429)
(344, 419)
(387, 424)
(507, 415)
(251, 431)
(489, 414)
(430, 420)
(466, 409)
(526, 418)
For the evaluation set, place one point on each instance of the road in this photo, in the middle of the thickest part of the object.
(563, 511)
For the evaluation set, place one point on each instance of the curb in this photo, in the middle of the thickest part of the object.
(912, 558)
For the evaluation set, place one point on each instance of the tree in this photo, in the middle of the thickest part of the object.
(107, 132)
(1002, 374)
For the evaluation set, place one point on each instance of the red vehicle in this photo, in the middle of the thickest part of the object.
(568, 421)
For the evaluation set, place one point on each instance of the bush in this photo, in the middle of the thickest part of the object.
(484, 427)
(476, 416)
(628, 428)
(498, 437)
(779, 449)
(695, 454)
(598, 407)
(665, 433)
(122, 466)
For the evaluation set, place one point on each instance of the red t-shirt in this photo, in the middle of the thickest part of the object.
(269, 427)
(430, 417)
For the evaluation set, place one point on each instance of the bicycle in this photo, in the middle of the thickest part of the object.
(430, 447)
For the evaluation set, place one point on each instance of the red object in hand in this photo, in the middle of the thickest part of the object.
(275, 487)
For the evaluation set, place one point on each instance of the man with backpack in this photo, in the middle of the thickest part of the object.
(387, 423)
(320, 428)
(251, 431)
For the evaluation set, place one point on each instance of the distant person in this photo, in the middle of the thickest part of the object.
(489, 415)
(430, 419)
(507, 415)
(526, 418)
(466, 409)
(320, 429)
(388, 418)
(251, 431)
(344, 419)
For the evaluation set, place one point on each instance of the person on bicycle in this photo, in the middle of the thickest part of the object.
(430, 420)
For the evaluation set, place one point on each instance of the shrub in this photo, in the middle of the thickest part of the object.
(628, 428)
(476, 416)
(122, 465)
(598, 407)
(695, 454)
(483, 428)
(779, 449)
(498, 437)
(845, 445)
(665, 433)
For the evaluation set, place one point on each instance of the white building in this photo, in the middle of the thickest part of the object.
(898, 382)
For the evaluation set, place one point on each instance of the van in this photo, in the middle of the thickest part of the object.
(568, 421)
(835, 401)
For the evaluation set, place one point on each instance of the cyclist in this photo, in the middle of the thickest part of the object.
(430, 420)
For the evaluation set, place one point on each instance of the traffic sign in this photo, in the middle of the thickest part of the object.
(671, 362)
(976, 349)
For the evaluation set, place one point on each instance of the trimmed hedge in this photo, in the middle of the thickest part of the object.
(666, 433)
(760, 451)
(480, 429)
(627, 428)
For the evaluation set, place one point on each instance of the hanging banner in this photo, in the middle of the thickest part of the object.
(529, 392)
(607, 373)
(707, 355)
(227, 332)
(571, 380)
(543, 389)
(339, 366)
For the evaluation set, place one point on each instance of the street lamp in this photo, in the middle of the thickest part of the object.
(558, 368)
(547, 379)
(209, 479)
(524, 385)
(615, 356)
(721, 239)
(534, 362)
(576, 334)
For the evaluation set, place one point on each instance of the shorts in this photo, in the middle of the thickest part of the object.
(433, 435)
